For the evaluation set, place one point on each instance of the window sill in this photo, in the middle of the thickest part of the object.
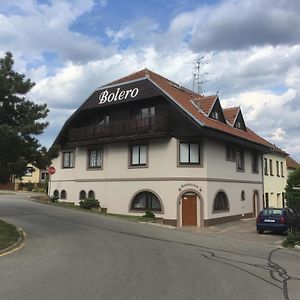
(137, 166)
(180, 165)
(240, 170)
(220, 211)
(94, 168)
(255, 172)
(144, 211)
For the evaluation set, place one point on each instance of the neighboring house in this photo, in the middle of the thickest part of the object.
(291, 165)
(275, 177)
(144, 143)
(34, 175)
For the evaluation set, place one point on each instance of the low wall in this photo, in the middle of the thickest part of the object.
(10, 186)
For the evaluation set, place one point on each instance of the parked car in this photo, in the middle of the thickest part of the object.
(275, 219)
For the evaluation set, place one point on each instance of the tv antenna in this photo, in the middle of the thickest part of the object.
(197, 75)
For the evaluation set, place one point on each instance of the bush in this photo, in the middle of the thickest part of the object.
(88, 203)
(29, 186)
(149, 214)
(292, 239)
(54, 199)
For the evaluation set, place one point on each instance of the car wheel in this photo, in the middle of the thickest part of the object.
(260, 231)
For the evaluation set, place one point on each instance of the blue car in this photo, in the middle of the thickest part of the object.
(275, 219)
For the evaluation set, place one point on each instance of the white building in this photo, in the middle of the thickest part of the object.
(144, 142)
(275, 177)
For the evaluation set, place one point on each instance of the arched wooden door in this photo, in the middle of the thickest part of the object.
(189, 210)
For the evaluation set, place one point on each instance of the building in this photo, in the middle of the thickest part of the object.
(144, 142)
(291, 165)
(275, 177)
(33, 175)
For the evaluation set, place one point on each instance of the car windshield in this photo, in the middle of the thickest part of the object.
(271, 212)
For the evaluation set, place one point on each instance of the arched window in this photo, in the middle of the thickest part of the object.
(91, 194)
(63, 194)
(145, 201)
(243, 196)
(82, 195)
(55, 194)
(221, 202)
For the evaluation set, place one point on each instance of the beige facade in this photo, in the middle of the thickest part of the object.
(275, 178)
(116, 183)
(34, 175)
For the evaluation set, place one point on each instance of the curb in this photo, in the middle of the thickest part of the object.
(17, 245)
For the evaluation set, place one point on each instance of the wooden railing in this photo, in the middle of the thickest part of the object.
(141, 126)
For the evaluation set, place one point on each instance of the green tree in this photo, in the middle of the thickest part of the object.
(293, 181)
(20, 122)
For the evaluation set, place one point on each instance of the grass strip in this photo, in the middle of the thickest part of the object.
(8, 235)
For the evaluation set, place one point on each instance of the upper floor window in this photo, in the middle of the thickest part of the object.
(230, 153)
(277, 168)
(95, 158)
(266, 166)
(215, 114)
(240, 160)
(281, 167)
(189, 153)
(104, 121)
(138, 155)
(271, 167)
(221, 202)
(68, 159)
(147, 112)
(254, 162)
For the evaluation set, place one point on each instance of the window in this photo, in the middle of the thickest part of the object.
(240, 160)
(104, 121)
(215, 115)
(266, 166)
(91, 194)
(267, 199)
(189, 153)
(281, 167)
(254, 163)
(68, 159)
(29, 171)
(283, 200)
(147, 112)
(55, 194)
(277, 168)
(63, 194)
(243, 196)
(138, 155)
(82, 195)
(230, 153)
(271, 167)
(145, 201)
(221, 202)
(238, 125)
(95, 158)
(44, 176)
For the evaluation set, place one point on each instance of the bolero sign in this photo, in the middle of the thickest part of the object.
(105, 96)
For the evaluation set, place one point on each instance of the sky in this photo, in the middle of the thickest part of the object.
(249, 50)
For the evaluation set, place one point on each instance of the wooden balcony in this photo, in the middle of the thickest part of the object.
(126, 128)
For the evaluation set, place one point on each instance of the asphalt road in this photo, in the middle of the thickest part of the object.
(76, 255)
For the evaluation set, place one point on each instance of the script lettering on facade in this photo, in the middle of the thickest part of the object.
(105, 96)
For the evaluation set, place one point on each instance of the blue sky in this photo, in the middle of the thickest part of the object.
(251, 52)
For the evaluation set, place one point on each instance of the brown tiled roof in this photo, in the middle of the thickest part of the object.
(184, 98)
(230, 114)
(205, 103)
(291, 163)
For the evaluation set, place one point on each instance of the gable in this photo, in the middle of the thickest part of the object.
(239, 122)
(217, 112)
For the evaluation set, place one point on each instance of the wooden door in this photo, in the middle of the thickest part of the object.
(189, 210)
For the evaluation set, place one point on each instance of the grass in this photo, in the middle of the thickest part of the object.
(8, 235)
(45, 199)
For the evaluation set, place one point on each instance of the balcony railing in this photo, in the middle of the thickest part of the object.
(135, 127)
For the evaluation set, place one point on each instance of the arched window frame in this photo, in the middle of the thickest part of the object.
(91, 194)
(219, 210)
(56, 194)
(63, 194)
(132, 209)
(243, 195)
(82, 195)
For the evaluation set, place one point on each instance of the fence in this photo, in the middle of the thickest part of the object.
(294, 204)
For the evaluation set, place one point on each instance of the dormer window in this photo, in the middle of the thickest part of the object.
(215, 115)
(147, 112)
(238, 125)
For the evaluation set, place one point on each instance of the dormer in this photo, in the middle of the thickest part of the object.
(216, 111)
(235, 118)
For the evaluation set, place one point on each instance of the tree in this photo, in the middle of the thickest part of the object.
(292, 182)
(20, 121)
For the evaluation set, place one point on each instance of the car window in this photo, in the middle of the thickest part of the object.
(271, 212)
